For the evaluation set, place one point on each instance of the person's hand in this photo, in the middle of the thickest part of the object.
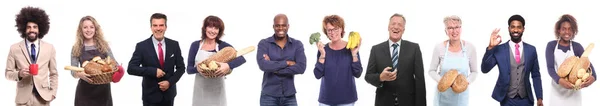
(266, 57)
(540, 103)
(495, 39)
(386, 75)
(223, 69)
(83, 76)
(321, 48)
(290, 63)
(159, 73)
(24, 73)
(355, 50)
(588, 82)
(163, 85)
(566, 84)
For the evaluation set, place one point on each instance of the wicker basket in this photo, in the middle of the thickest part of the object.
(102, 78)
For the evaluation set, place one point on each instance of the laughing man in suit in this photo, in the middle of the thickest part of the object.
(396, 68)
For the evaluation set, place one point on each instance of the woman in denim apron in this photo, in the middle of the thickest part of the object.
(461, 64)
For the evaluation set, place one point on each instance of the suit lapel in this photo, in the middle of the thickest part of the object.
(403, 51)
(386, 53)
(25, 51)
(526, 52)
(153, 51)
(168, 51)
(507, 53)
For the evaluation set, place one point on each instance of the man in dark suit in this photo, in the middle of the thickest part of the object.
(516, 61)
(406, 84)
(155, 59)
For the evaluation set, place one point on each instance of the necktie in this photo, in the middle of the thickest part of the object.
(33, 59)
(517, 53)
(395, 56)
(160, 55)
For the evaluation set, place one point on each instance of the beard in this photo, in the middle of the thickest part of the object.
(516, 38)
(278, 37)
(30, 38)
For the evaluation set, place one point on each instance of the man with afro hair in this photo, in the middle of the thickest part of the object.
(31, 62)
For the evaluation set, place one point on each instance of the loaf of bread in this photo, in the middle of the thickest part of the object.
(447, 80)
(460, 84)
(565, 68)
(224, 55)
(93, 68)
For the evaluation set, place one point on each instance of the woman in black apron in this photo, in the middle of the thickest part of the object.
(90, 43)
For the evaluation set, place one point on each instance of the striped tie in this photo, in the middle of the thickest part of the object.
(395, 56)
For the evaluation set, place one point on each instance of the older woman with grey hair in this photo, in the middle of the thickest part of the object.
(457, 54)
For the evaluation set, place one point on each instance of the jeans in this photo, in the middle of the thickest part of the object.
(349, 104)
(266, 100)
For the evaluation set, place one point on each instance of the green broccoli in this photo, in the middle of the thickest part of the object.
(314, 37)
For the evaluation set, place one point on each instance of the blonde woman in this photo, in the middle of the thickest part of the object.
(90, 43)
(453, 53)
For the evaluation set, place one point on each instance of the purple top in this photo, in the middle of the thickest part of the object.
(577, 49)
(278, 77)
(337, 76)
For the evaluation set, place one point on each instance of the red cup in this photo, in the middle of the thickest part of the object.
(33, 69)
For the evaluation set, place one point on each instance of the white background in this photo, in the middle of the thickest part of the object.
(126, 22)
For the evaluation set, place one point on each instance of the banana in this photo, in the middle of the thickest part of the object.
(349, 42)
(353, 40)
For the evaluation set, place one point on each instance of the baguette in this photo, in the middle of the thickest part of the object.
(72, 68)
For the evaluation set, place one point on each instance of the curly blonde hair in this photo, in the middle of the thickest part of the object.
(101, 44)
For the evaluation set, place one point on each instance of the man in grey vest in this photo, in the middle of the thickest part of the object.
(516, 61)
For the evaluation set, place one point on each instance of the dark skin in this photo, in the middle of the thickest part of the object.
(281, 26)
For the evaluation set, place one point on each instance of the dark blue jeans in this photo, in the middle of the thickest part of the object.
(517, 101)
(266, 100)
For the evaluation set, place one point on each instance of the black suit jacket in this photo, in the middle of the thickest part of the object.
(409, 86)
(144, 63)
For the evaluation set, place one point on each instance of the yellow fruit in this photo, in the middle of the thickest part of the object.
(349, 42)
(353, 40)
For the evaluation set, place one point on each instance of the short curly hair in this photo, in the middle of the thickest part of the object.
(569, 19)
(336, 21)
(35, 15)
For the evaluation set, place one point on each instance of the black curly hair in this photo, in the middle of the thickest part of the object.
(35, 15)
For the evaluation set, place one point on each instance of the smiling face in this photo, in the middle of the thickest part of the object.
(89, 29)
(333, 33)
(516, 30)
(565, 32)
(453, 30)
(396, 28)
(212, 32)
(280, 25)
(158, 26)
(32, 31)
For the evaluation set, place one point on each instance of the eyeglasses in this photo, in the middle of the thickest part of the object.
(453, 28)
(332, 30)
